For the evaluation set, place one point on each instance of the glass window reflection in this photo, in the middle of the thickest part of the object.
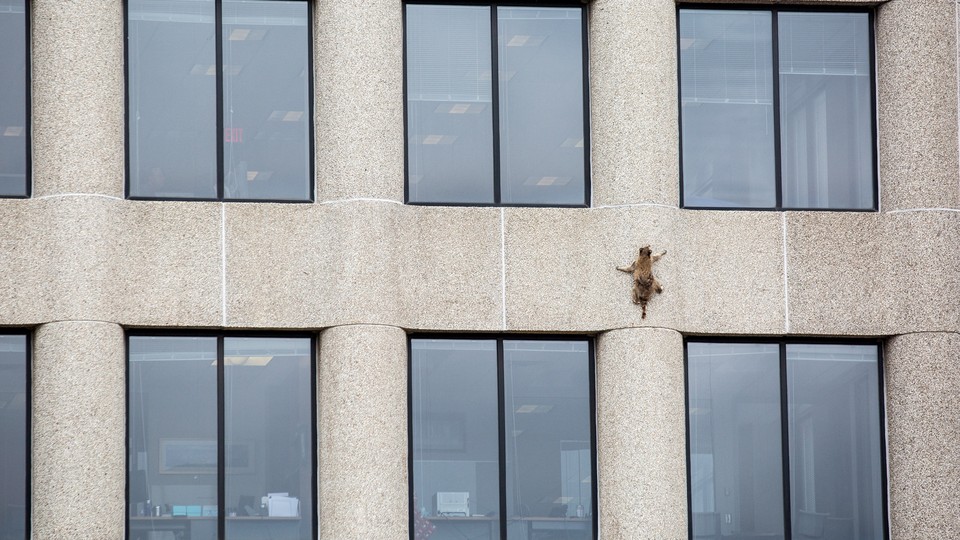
(174, 470)
(174, 132)
(14, 415)
(461, 431)
(14, 130)
(489, 130)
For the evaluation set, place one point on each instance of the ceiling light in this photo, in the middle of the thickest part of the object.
(685, 43)
(547, 181)
(459, 108)
(525, 41)
(538, 409)
(562, 500)
(573, 143)
(258, 361)
(293, 116)
(239, 34)
(439, 139)
(13, 131)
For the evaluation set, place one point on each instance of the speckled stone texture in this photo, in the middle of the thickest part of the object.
(633, 101)
(923, 435)
(917, 101)
(78, 431)
(363, 262)
(873, 274)
(722, 272)
(97, 258)
(358, 81)
(78, 99)
(641, 435)
(362, 416)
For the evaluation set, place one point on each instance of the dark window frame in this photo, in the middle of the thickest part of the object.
(774, 9)
(784, 418)
(27, 108)
(219, 130)
(495, 99)
(501, 416)
(221, 415)
(28, 433)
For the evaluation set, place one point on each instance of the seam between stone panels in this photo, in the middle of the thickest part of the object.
(920, 332)
(361, 199)
(503, 268)
(786, 279)
(223, 263)
(923, 210)
(55, 195)
(64, 321)
(956, 73)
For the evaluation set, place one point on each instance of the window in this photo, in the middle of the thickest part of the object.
(14, 435)
(502, 439)
(220, 437)
(14, 100)
(496, 105)
(785, 441)
(777, 109)
(219, 100)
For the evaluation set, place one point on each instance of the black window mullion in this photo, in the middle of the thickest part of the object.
(495, 101)
(218, 40)
(594, 508)
(784, 442)
(28, 113)
(502, 420)
(28, 435)
(775, 73)
(221, 444)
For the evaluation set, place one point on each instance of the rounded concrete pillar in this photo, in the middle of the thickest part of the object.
(923, 434)
(78, 431)
(77, 73)
(633, 102)
(362, 417)
(641, 434)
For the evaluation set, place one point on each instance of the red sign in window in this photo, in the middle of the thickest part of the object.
(233, 135)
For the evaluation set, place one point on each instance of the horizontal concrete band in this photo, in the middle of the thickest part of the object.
(475, 269)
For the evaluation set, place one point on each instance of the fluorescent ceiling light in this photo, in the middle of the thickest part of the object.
(547, 181)
(258, 175)
(538, 409)
(285, 116)
(525, 41)
(562, 500)
(439, 139)
(245, 361)
(572, 143)
(247, 34)
(13, 131)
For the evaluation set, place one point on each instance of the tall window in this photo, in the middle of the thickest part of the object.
(777, 109)
(496, 105)
(14, 436)
(221, 438)
(219, 100)
(785, 441)
(502, 439)
(14, 101)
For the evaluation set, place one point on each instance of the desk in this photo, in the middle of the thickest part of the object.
(558, 527)
(460, 527)
(205, 528)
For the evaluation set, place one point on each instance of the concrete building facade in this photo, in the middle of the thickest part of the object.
(82, 266)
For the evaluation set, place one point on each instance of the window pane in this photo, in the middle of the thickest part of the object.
(266, 114)
(172, 419)
(825, 104)
(269, 438)
(549, 439)
(172, 89)
(726, 97)
(13, 436)
(456, 466)
(541, 105)
(13, 99)
(835, 448)
(736, 464)
(449, 114)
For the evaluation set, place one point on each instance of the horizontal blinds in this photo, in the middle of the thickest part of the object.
(824, 43)
(448, 53)
(725, 57)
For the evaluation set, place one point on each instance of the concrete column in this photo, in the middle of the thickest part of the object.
(78, 431)
(362, 416)
(78, 87)
(633, 102)
(641, 434)
(923, 434)
(358, 80)
(917, 104)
